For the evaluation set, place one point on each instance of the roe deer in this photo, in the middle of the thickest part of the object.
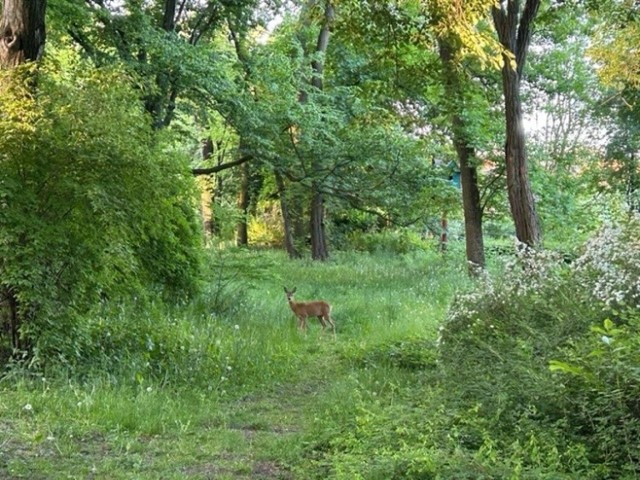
(303, 310)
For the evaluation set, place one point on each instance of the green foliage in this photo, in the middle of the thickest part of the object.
(600, 397)
(397, 242)
(609, 268)
(408, 353)
(535, 373)
(531, 378)
(498, 342)
(93, 205)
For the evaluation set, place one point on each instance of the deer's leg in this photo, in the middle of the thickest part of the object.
(322, 322)
(333, 325)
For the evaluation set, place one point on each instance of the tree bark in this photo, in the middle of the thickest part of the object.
(514, 32)
(162, 103)
(169, 16)
(319, 250)
(474, 238)
(242, 233)
(22, 32)
(466, 155)
(287, 223)
(208, 198)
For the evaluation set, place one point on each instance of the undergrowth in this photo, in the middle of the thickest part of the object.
(532, 374)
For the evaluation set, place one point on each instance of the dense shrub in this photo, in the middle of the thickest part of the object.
(548, 351)
(93, 207)
(386, 241)
(610, 266)
(601, 393)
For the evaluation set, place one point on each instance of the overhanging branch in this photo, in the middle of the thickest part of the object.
(222, 166)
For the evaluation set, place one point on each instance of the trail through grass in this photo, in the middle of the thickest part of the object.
(240, 394)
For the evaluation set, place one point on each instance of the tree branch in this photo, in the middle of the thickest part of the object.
(524, 33)
(222, 166)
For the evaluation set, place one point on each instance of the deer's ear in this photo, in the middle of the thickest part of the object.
(285, 290)
(294, 290)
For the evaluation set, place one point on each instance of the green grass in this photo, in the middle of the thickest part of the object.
(226, 387)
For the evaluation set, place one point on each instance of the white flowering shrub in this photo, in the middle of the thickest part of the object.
(527, 346)
(522, 290)
(610, 265)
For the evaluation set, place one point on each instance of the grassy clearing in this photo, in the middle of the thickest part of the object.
(239, 393)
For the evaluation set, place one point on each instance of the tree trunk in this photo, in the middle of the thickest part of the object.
(474, 238)
(319, 249)
(466, 154)
(169, 16)
(22, 31)
(22, 39)
(287, 224)
(161, 104)
(208, 196)
(242, 234)
(318, 239)
(298, 217)
(519, 190)
(514, 31)
(444, 233)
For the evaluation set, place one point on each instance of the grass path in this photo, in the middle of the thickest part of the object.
(238, 396)
(256, 435)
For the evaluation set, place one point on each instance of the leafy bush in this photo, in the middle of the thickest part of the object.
(601, 394)
(92, 207)
(386, 241)
(409, 353)
(610, 266)
(499, 340)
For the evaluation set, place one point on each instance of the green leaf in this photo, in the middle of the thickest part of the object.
(558, 366)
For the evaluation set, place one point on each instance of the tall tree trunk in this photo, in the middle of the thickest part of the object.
(244, 198)
(521, 198)
(22, 31)
(466, 159)
(242, 234)
(514, 31)
(161, 104)
(287, 223)
(208, 197)
(169, 16)
(319, 250)
(474, 238)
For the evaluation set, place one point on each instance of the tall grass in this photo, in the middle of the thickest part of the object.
(145, 370)
(420, 382)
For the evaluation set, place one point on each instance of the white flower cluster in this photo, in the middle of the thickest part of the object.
(608, 272)
(466, 307)
(531, 270)
(610, 265)
(527, 273)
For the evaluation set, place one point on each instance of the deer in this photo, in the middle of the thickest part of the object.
(303, 310)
